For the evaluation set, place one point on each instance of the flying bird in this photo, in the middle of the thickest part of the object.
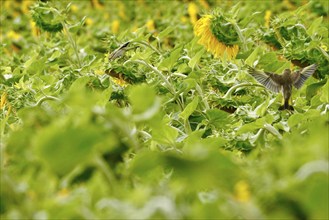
(283, 82)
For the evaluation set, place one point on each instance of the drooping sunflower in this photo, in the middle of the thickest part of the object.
(218, 35)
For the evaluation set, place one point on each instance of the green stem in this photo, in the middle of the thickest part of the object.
(323, 52)
(233, 88)
(279, 37)
(3, 123)
(45, 99)
(148, 45)
(73, 43)
(199, 90)
(272, 130)
(106, 171)
(187, 126)
(238, 30)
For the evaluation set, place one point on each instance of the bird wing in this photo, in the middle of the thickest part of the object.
(119, 51)
(265, 79)
(302, 76)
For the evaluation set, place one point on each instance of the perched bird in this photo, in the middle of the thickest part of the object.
(119, 52)
(284, 82)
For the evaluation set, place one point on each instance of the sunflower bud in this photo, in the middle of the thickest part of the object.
(45, 18)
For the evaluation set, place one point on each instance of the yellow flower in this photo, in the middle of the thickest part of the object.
(89, 21)
(202, 29)
(3, 100)
(119, 81)
(3, 103)
(96, 4)
(204, 4)
(35, 30)
(150, 25)
(242, 191)
(193, 12)
(115, 26)
(267, 18)
(324, 47)
(25, 6)
(13, 35)
(7, 4)
(184, 19)
(63, 193)
(122, 13)
(288, 4)
(134, 28)
(74, 8)
(99, 72)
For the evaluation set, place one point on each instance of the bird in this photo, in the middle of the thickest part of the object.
(283, 82)
(119, 52)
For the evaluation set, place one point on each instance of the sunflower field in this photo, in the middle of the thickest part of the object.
(145, 109)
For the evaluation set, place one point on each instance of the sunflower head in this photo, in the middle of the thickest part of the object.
(218, 35)
(224, 31)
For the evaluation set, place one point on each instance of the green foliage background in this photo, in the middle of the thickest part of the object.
(165, 131)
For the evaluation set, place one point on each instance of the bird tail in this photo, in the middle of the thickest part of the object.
(286, 104)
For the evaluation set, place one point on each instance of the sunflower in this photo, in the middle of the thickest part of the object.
(217, 35)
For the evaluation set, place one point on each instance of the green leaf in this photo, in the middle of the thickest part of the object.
(272, 130)
(195, 59)
(262, 108)
(166, 31)
(311, 90)
(259, 123)
(189, 109)
(218, 118)
(204, 170)
(37, 66)
(63, 149)
(79, 84)
(314, 26)
(267, 58)
(189, 84)
(295, 119)
(253, 57)
(151, 170)
(55, 55)
(194, 144)
(169, 62)
(103, 98)
(164, 134)
(141, 97)
(325, 93)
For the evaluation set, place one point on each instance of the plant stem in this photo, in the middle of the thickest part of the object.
(323, 52)
(148, 45)
(198, 88)
(233, 88)
(45, 99)
(238, 30)
(106, 171)
(73, 44)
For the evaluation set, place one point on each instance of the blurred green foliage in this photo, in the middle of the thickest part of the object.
(165, 130)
